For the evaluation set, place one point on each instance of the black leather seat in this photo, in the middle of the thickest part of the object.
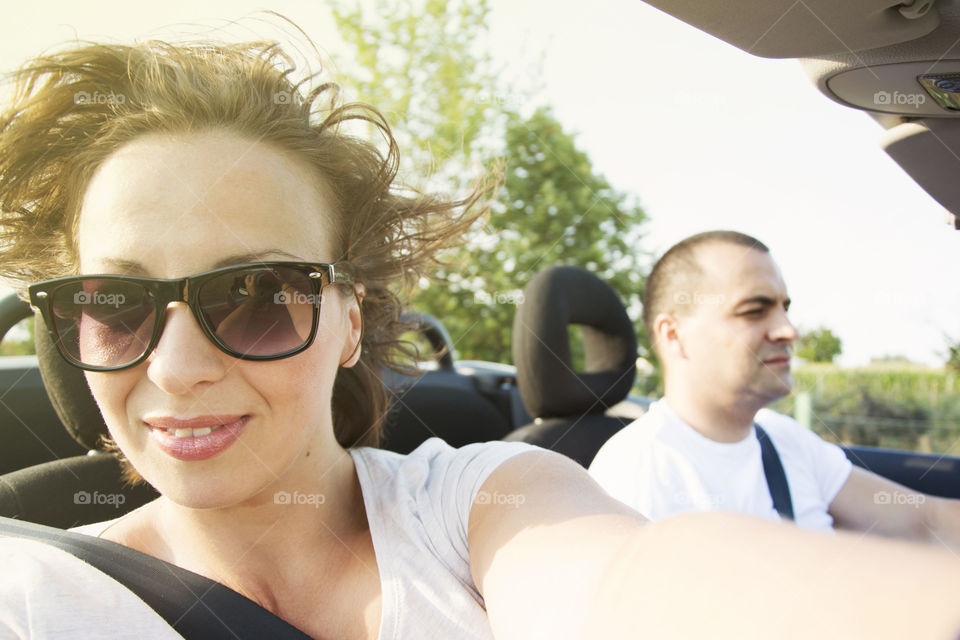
(442, 404)
(569, 406)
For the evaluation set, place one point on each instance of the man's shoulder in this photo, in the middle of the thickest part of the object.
(785, 431)
(630, 441)
(770, 419)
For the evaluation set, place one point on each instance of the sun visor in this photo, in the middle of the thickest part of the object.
(791, 29)
(929, 151)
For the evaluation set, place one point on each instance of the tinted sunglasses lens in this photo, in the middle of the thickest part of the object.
(103, 322)
(259, 311)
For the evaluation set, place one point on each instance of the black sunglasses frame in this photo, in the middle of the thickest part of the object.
(186, 290)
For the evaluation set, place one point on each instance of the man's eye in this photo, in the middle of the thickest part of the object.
(754, 312)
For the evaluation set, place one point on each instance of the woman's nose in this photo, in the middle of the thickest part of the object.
(184, 356)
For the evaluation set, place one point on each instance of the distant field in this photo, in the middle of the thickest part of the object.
(894, 405)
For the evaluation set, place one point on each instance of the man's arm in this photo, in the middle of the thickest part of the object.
(871, 503)
(558, 558)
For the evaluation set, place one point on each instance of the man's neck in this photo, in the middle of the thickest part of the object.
(731, 423)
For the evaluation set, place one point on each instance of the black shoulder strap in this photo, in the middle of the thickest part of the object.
(195, 606)
(776, 479)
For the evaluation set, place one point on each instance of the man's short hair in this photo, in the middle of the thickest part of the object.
(678, 271)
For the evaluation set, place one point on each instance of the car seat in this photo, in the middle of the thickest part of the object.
(569, 407)
(442, 403)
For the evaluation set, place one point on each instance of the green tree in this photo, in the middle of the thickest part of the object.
(953, 355)
(553, 208)
(423, 66)
(819, 345)
(19, 340)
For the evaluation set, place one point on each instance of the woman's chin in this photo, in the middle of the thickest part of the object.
(210, 491)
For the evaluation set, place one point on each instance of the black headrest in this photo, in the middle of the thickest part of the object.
(68, 391)
(555, 298)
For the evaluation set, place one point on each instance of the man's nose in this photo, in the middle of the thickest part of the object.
(784, 330)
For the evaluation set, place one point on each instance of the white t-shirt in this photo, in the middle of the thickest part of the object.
(47, 593)
(661, 466)
(418, 507)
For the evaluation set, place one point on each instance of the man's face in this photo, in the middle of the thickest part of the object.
(734, 337)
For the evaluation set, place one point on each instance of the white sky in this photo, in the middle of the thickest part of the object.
(707, 136)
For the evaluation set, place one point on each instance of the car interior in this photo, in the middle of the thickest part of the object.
(899, 62)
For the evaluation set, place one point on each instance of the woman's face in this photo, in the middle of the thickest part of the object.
(169, 206)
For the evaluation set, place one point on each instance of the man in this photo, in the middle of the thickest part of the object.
(716, 311)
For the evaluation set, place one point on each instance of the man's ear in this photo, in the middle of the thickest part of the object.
(351, 346)
(666, 330)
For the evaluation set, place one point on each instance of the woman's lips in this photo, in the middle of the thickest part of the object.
(196, 438)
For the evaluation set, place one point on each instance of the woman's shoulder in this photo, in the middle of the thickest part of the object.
(435, 461)
(429, 492)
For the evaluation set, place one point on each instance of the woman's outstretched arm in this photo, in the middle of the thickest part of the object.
(555, 557)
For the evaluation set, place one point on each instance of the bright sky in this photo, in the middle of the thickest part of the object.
(707, 136)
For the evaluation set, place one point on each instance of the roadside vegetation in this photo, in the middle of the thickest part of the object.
(891, 403)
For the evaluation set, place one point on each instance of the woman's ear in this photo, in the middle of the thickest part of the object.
(351, 346)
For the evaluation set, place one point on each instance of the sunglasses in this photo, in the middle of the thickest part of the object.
(255, 311)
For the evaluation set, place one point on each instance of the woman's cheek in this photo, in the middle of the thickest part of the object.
(112, 392)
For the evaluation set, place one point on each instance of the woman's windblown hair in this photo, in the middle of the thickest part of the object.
(74, 108)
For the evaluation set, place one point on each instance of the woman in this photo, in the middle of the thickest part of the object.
(240, 261)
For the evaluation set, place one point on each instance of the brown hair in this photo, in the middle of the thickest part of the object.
(73, 108)
(678, 271)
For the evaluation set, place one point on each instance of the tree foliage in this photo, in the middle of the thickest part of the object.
(953, 355)
(19, 340)
(819, 345)
(553, 208)
(906, 406)
(421, 64)
(424, 65)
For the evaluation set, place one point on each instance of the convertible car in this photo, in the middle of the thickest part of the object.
(898, 62)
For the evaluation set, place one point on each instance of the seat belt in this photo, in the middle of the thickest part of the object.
(777, 483)
(197, 607)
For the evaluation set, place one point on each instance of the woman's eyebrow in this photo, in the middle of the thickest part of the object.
(132, 267)
(119, 265)
(255, 256)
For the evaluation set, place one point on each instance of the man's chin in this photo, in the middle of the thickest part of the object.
(778, 388)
